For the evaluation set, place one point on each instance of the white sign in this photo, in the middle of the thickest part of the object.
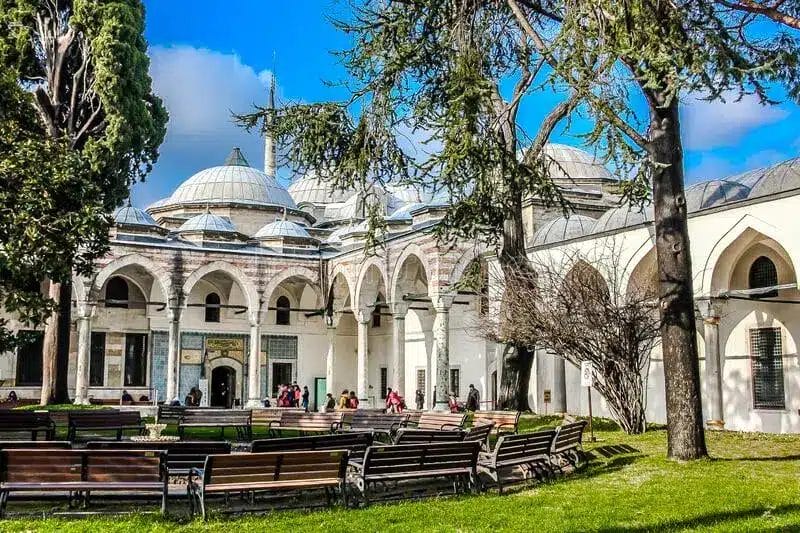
(202, 385)
(587, 374)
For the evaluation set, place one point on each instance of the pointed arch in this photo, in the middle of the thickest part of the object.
(476, 252)
(415, 251)
(365, 296)
(159, 274)
(247, 287)
(306, 274)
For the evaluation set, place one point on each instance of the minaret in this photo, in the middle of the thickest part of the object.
(270, 166)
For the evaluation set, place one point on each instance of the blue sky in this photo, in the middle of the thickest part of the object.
(211, 58)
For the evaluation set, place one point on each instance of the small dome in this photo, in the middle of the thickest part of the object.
(622, 217)
(133, 216)
(778, 178)
(208, 222)
(314, 190)
(283, 228)
(408, 194)
(713, 193)
(570, 167)
(404, 213)
(235, 182)
(562, 229)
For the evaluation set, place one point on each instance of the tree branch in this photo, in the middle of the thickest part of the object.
(758, 8)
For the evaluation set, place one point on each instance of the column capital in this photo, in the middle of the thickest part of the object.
(174, 313)
(364, 315)
(85, 309)
(442, 302)
(399, 310)
(710, 310)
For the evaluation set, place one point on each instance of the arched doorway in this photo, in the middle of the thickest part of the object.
(223, 381)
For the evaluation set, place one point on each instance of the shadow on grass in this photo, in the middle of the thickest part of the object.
(713, 519)
(795, 457)
(611, 450)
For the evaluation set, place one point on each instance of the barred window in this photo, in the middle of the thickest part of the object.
(421, 380)
(384, 381)
(97, 359)
(766, 358)
(455, 381)
(281, 347)
(763, 274)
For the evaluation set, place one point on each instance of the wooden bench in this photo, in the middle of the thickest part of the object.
(480, 433)
(413, 416)
(530, 451)
(238, 419)
(377, 422)
(110, 420)
(441, 420)
(504, 421)
(567, 450)
(266, 472)
(182, 456)
(19, 421)
(43, 472)
(307, 422)
(35, 444)
(169, 414)
(263, 417)
(355, 442)
(422, 436)
(387, 465)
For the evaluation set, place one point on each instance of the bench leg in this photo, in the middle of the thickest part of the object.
(3, 502)
(202, 500)
(164, 501)
(190, 495)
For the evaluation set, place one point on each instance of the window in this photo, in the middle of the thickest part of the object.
(283, 311)
(376, 317)
(97, 359)
(117, 293)
(455, 382)
(29, 358)
(281, 375)
(421, 379)
(763, 274)
(135, 360)
(384, 381)
(766, 359)
(212, 307)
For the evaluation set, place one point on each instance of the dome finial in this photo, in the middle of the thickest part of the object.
(236, 159)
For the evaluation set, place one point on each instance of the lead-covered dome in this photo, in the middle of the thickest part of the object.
(235, 182)
(712, 193)
(778, 178)
(133, 216)
(312, 189)
(562, 229)
(572, 167)
(622, 217)
(283, 228)
(208, 222)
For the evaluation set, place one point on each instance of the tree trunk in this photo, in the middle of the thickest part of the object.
(61, 391)
(516, 376)
(50, 347)
(686, 438)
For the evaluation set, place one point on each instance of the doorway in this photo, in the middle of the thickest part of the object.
(320, 393)
(223, 382)
(281, 375)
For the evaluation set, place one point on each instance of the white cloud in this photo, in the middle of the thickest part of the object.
(716, 124)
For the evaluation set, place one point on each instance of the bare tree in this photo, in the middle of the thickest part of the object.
(565, 306)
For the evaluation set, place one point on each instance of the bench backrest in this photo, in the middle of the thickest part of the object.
(503, 420)
(234, 417)
(317, 421)
(356, 442)
(56, 465)
(523, 447)
(269, 468)
(436, 420)
(104, 418)
(376, 420)
(569, 437)
(480, 433)
(35, 444)
(264, 416)
(169, 414)
(181, 455)
(14, 420)
(410, 459)
(414, 436)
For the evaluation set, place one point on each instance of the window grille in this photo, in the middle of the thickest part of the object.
(766, 358)
(384, 381)
(135, 360)
(763, 274)
(281, 347)
(421, 380)
(97, 359)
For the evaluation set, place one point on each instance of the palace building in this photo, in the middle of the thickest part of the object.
(251, 285)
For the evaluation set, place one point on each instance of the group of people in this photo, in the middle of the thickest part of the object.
(293, 396)
(472, 404)
(193, 398)
(348, 400)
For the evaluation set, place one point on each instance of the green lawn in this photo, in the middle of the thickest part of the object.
(752, 484)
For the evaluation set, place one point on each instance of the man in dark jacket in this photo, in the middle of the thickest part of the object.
(473, 399)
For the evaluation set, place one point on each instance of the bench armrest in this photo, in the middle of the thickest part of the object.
(451, 426)
(195, 472)
(335, 426)
(507, 428)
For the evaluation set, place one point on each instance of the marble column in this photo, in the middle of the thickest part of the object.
(441, 336)
(711, 316)
(399, 311)
(559, 384)
(363, 317)
(174, 353)
(330, 360)
(254, 366)
(84, 319)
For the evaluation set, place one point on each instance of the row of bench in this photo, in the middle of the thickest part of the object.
(331, 463)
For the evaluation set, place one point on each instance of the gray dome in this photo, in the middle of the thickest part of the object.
(208, 222)
(784, 176)
(408, 194)
(283, 228)
(233, 182)
(622, 217)
(133, 216)
(404, 213)
(314, 190)
(562, 229)
(713, 193)
(573, 167)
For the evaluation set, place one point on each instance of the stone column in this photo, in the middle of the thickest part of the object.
(711, 316)
(363, 317)
(441, 337)
(559, 384)
(84, 319)
(174, 353)
(330, 359)
(254, 366)
(399, 311)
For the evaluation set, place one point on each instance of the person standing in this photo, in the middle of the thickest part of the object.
(343, 399)
(305, 398)
(352, 401)
(473, 398)
(419, 399)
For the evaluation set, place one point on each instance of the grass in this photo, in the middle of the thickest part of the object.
(751, 484)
